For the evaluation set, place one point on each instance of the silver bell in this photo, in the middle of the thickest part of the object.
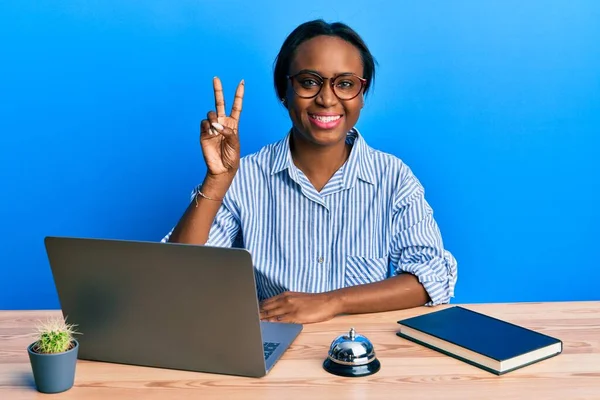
(351, 355)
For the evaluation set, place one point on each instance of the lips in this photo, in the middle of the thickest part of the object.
(325, 121)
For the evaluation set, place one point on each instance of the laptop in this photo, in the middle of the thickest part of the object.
(166, 305)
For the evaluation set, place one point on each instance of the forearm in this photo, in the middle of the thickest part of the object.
(395, 293)
(194, 226)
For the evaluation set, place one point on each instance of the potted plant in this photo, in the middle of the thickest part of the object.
(53, 356)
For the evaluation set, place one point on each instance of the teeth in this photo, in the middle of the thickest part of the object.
(326, 118)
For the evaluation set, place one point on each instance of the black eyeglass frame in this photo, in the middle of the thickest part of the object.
(332, 80)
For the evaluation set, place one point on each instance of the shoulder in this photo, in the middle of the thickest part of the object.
(392, 173)
(260, 163)
(261, 158)
(255, 168)
(385, 164)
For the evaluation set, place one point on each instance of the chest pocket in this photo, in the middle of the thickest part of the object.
(361, 270)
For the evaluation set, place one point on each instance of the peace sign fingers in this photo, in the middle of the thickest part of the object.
(236, 110)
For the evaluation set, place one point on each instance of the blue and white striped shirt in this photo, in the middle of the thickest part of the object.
(369, 222)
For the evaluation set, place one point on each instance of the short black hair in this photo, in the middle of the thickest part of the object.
(309, 30)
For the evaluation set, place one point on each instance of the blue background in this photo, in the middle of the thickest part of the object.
(494, 105)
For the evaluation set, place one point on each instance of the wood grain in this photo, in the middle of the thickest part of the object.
(408, 370)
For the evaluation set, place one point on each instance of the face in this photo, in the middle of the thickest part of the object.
(324, 119)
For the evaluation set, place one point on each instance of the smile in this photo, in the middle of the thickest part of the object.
(325, 118)
(325, 121)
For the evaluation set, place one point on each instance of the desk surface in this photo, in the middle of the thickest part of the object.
(408, 370)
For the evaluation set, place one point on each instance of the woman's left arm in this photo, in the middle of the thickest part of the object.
(397, 292)
(426, 272)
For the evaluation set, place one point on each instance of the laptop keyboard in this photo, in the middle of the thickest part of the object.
(269, 348)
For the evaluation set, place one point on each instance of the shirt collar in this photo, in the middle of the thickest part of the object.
(281, 156)
(359, 164)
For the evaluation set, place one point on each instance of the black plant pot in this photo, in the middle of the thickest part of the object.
(54, 373)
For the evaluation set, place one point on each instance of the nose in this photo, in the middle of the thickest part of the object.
(326, 97)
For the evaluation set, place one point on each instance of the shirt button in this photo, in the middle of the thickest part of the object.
(320, 260)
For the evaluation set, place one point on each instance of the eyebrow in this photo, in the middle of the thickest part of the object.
(303, 71)
(312, 71)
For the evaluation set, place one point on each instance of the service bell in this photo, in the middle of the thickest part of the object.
(351, 355)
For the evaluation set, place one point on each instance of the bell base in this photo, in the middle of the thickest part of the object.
(352, 371)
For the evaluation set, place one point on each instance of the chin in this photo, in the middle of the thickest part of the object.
(325, 137)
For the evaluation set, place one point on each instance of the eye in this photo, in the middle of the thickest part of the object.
(345, 84)
(309, 82)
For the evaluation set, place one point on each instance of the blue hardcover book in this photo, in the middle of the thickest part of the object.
(489, 343)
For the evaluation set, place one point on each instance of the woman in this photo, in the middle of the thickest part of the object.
(333, 226)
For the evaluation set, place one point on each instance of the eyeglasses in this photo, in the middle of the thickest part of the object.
(309, 84)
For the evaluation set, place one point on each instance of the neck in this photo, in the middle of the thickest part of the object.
(318, 163)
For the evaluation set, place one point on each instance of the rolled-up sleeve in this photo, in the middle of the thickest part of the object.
(417, 247)
(226, 225)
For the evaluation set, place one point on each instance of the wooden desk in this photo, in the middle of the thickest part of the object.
(408, 371)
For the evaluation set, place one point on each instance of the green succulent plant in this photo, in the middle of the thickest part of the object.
(54, 336)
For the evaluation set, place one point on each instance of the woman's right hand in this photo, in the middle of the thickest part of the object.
(219, 136)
